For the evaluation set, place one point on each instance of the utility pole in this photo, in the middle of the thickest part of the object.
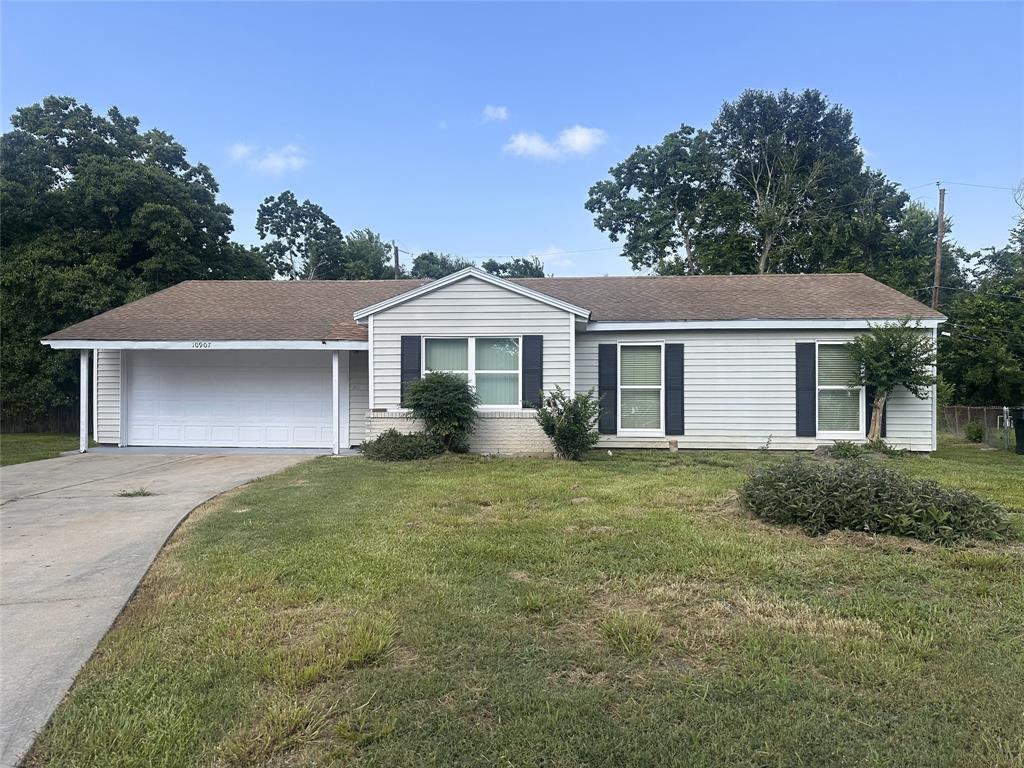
(938, 246)
(398, 268)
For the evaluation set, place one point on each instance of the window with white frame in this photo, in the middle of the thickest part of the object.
(840, 405)
(640, 388)
(490, 364)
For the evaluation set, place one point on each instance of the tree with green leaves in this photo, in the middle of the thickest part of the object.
(890, 355)
(517, 267)
(775, 184)
(434, 265)
(96, 213)
(305, 243)
(983, 355)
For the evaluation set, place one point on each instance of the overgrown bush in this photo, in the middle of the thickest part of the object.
(446, 405)
(570, 421)
(974, 431)
(863, 496)
(396, 446)
(845, 449)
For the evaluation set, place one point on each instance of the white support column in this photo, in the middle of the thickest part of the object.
(336, 406)
(83, 402)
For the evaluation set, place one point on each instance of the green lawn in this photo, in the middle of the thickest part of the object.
(494, 612)
(33, 446)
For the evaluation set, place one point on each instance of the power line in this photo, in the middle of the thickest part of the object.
(979, 186)
(971, 290)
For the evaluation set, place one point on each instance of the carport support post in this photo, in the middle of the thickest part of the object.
(83, 401)
(335, 378)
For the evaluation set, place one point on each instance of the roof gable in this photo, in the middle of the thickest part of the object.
(463, 274)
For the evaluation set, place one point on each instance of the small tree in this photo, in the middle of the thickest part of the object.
(570, 421)
(446, 405)
(889, 356)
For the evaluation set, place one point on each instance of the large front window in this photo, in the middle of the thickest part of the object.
(490, 364)
(640, 384)
(840, 407)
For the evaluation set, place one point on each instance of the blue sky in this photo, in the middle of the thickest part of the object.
(379, 112)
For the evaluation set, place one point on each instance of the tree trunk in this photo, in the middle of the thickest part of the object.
(875, 433)
(762, 263)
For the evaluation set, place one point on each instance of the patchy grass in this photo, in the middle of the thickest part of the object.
(619, 612)
(34, 446)
(134, 493)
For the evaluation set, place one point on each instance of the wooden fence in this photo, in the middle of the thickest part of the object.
(60, 419)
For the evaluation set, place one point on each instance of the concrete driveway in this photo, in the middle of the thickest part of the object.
(72, 553)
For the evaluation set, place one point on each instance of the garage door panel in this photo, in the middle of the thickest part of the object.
(235, 398)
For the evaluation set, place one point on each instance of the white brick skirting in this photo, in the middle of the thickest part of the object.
(497, 432)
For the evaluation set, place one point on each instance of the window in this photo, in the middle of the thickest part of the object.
(840, 406)
(640, 385)
(491, 365)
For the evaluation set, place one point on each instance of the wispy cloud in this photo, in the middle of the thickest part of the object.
(554, 258)
(577, 140)
(272, 161)
(493, 114)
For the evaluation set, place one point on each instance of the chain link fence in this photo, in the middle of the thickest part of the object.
(995, 422)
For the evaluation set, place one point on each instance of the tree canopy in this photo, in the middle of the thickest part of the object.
(435, 265)
(96, 213)
(304, 243)
(517, 267)
(776, 183)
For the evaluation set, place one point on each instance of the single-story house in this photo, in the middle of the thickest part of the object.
(739, 361)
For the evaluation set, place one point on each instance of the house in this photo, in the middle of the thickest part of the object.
(711, 361)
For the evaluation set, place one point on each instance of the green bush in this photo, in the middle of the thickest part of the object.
(570, 421)
(974, 431)
(396, 446)
(845, 449)
(446, 405)
(864, 496)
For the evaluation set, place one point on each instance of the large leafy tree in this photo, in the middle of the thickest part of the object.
(305, 243)
(96, 213)
(775, 184)
(983, 355)
(434, 265)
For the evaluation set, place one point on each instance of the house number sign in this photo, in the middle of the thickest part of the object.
(200, 345)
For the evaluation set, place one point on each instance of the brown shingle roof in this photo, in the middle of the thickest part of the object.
(322, 310)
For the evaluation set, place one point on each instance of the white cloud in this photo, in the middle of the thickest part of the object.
(554, 258)
(530, 145)
(581, 141)
(494, 114)
(272, 161)
(577, 140)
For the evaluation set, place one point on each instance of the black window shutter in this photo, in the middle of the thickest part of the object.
(607, 384)
(806, 389)
(869, 400)
(410, 362)
(533, 371)
(674, 389)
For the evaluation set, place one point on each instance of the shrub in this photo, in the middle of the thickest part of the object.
(396, 446)
(863, 496)
(974, 431)
(446, 405)
(844, 449)
(570, 421)
(883, 448)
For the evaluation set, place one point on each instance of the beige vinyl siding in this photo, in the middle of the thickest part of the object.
(470, 307)
(358, 396)
(740, 389)
(108, 396)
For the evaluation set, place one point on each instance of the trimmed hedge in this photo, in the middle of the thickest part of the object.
(862, 496)
(393, 445)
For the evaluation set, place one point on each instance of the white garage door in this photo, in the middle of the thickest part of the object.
(224, 398)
